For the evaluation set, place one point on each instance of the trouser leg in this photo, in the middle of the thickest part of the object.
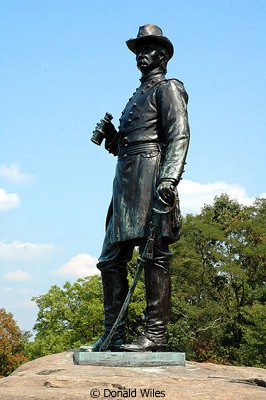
(158, 293)
(115, 289)
(113, 266)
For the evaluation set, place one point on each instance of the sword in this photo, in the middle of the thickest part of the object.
(146, 256)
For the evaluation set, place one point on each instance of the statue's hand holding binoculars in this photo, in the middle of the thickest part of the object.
(105, 130)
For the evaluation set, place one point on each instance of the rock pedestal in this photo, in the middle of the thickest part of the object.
(56, 377)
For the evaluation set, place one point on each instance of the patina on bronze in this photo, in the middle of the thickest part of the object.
(151, 144)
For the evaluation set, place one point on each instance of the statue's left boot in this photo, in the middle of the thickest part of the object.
(158, 293)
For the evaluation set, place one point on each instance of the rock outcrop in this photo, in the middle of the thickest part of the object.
(56, 377)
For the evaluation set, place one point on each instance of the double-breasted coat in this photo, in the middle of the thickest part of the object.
(156, 114)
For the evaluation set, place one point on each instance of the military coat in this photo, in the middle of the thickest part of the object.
(157, 114)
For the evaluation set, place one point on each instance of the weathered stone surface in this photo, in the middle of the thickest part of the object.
(56, 377)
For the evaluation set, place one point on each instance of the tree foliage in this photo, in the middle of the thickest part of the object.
(12, 342)
(219, 284)
(218, 292)
(68, 317)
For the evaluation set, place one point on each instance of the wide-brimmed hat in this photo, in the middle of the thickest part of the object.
(150, 33)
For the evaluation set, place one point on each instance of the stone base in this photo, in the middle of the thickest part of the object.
(127, 359)
(55, 377)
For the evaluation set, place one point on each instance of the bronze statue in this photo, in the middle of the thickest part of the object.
(151, 144)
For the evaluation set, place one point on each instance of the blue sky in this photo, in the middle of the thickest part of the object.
(63, 65)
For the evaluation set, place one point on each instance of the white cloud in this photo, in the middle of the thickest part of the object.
(24, 251)
(18, 275)
(8, 200)
(79, 266)
(26, 290)
(13, 174)
(6, 289)
(194, 195)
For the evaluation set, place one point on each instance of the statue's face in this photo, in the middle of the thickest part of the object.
(148, 57)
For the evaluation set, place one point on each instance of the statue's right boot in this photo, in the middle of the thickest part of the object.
(115, 289)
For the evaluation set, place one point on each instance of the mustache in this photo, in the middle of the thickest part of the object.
(142, 58)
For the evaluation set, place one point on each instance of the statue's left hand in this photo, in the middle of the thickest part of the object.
(166, 192)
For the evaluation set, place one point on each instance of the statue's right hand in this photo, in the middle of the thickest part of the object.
(111, 142)
(110, 131)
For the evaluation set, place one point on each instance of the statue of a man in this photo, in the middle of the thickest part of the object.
(151, 144)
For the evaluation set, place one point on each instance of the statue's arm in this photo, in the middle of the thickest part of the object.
(172, 102)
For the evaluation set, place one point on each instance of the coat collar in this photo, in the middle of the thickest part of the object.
(157, 76)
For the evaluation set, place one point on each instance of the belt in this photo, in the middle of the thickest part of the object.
(138, 148)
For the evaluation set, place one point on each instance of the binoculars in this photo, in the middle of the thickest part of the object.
(101, 129)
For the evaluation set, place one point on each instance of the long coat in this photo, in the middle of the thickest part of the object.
(156, 113)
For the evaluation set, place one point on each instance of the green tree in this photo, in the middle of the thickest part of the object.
(219, 274)
(68, 317)
(12, 343)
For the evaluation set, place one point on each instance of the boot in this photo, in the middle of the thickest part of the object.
(158, 292)
(115, 289)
